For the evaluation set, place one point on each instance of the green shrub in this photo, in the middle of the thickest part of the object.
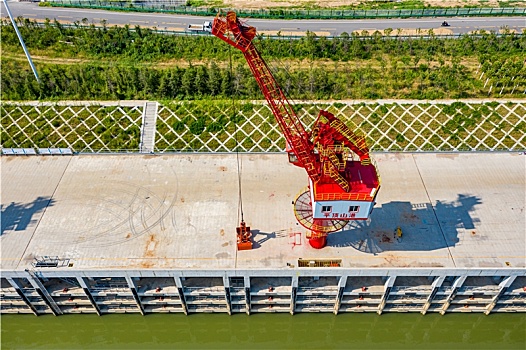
(178, 126)
(198, 126)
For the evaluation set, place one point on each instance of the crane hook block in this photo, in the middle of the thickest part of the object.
(244, 237)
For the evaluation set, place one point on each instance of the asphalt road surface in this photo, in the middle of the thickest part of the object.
(458, 25)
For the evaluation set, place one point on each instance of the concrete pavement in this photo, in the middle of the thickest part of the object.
(457, 210)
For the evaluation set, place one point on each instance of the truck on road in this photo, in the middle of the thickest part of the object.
(205, 27)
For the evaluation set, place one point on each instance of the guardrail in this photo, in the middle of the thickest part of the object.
(174, 7)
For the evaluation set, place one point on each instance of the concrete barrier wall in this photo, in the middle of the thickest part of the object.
(336, 290)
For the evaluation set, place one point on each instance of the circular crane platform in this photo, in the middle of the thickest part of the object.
(319, 228)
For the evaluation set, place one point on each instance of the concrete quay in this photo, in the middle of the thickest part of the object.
(156, 233)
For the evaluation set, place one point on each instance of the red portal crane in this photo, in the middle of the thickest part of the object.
(343, 181)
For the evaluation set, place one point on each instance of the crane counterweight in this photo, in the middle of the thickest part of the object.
(341, 188)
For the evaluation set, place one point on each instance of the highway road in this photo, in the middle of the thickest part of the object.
(286, 27)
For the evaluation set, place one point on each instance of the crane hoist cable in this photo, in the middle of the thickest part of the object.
(244, 235)
(240, 196)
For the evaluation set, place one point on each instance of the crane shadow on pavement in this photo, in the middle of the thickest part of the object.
(423, 226)
(18, 216)
(259, 238)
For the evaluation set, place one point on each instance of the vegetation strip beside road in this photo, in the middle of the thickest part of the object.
(118, 63)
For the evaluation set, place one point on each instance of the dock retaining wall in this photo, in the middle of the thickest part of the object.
(293, 290)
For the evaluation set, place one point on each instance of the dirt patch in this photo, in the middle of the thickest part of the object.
(71, 61)
(409, 217)
(263, 4)
(393, 260)
(291, 33)
(461, 3)
(291, 64)
(223, 168)
(406, 32)
(46, 59)
(421, 264)
(312, 4)
(506, 31)
(146, 264)
(451, 156)
(386, 239)
(151, 244)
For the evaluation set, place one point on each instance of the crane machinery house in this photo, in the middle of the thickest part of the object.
(343, 179)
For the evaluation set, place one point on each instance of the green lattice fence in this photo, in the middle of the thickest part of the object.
(224, 126)
(81, 127)
(388, 125)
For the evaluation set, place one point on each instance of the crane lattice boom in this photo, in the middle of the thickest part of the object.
(234, 33)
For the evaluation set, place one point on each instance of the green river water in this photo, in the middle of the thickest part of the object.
(265, 331)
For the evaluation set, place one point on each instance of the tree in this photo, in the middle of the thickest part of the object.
(201, 80)
(188, 82)
(227, 88)
(214, 79)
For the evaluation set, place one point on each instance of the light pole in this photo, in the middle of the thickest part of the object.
(21, 40)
